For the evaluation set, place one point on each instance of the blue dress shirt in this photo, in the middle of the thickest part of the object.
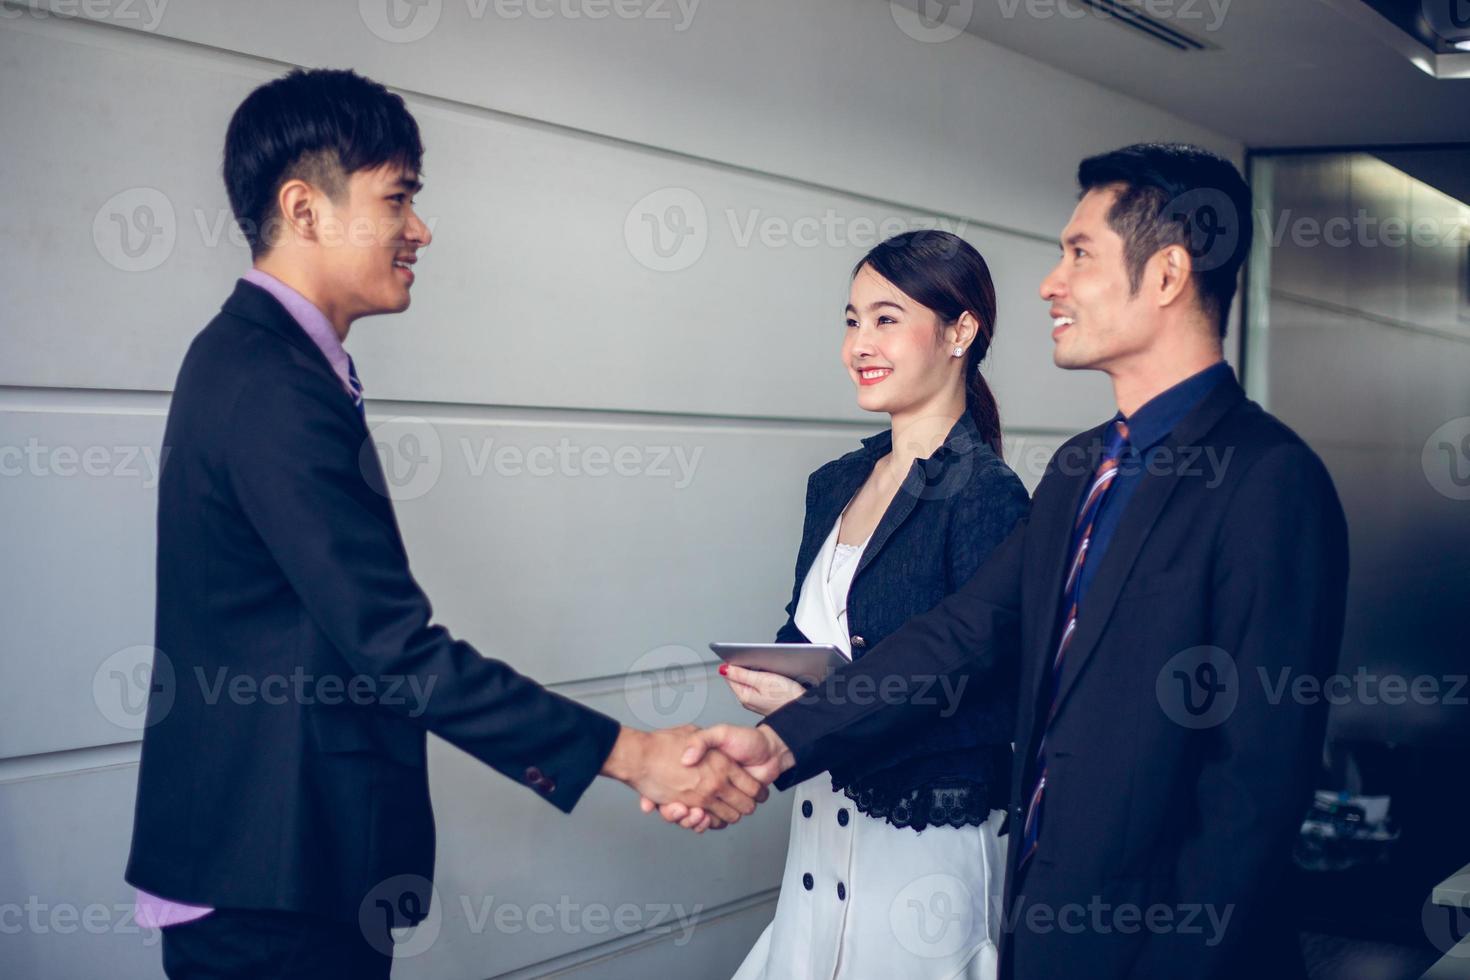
(1147, 427)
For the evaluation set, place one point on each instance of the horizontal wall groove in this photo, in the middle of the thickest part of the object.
(65, 762)
(60, 762)
(46, 399)
(1328, 306)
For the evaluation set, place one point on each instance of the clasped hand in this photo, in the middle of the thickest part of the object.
(663, 767)
(759, 753)
(705, 779)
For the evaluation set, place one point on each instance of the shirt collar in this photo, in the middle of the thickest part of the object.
(311, 320)
(1156, 418)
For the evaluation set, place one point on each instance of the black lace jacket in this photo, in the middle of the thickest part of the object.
(952, 510)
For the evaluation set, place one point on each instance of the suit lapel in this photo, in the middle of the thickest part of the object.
(899, 509)
(1143, 511)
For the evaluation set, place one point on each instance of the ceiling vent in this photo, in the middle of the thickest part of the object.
(1127, 14)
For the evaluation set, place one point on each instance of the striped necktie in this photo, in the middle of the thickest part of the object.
(1102, 479)
(356, 387)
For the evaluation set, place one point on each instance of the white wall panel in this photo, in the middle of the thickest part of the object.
(541, 288)
(65, 910)
(833, 92)
(568, 547)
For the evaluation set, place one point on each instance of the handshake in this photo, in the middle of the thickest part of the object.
(701, 779)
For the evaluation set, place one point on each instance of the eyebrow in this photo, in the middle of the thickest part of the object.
(1074, 239)
(875, 305)
(410, 184)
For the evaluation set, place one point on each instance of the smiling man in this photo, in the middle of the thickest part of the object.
(1159, 783)
(283, 798)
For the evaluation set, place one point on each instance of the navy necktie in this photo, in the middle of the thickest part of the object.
(1102, 480)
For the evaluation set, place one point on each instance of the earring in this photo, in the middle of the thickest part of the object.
(959, 351)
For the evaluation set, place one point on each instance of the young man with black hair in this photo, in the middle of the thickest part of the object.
(282, 834)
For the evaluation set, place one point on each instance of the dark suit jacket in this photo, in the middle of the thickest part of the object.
(283, 763)
(1147, 805)
(952, 510)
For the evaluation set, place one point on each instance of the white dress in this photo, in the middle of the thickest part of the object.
(862, 899)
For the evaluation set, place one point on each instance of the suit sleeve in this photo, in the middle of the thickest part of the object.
(1280, 582)
(294, 465)
(973, 632)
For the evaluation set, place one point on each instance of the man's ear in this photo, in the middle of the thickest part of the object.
(1173, 267)
(299, 210)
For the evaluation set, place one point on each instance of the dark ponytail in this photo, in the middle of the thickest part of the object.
(946, 274)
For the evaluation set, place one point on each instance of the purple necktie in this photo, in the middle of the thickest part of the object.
(356, 387)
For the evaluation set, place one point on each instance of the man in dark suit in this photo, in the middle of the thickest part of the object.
(283, 821)
(1182, 567)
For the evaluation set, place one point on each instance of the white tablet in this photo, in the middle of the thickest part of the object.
(806, 663)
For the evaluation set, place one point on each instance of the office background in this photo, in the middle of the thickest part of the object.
(620, 364)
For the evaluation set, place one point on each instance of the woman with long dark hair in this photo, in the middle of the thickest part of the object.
(894, 868)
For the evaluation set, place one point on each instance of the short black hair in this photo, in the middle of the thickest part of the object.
(321, 125)
(1178, 194)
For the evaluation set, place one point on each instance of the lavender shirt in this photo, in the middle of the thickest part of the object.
(152, 912)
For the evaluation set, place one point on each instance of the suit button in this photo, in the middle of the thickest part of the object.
(841, 892)
(806, 808)
(534, 775)
(858, 642)
(842, 817)
(807, 882)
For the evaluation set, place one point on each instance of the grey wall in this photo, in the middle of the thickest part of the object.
(544, 319)
(1360, 339)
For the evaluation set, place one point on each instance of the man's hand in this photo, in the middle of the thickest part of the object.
(658, 766)
(760, 750)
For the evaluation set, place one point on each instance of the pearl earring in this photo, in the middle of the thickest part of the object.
(959, 351)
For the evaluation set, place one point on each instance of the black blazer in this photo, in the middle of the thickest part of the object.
(1142, 809)
(283, 762)
(952, 510)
